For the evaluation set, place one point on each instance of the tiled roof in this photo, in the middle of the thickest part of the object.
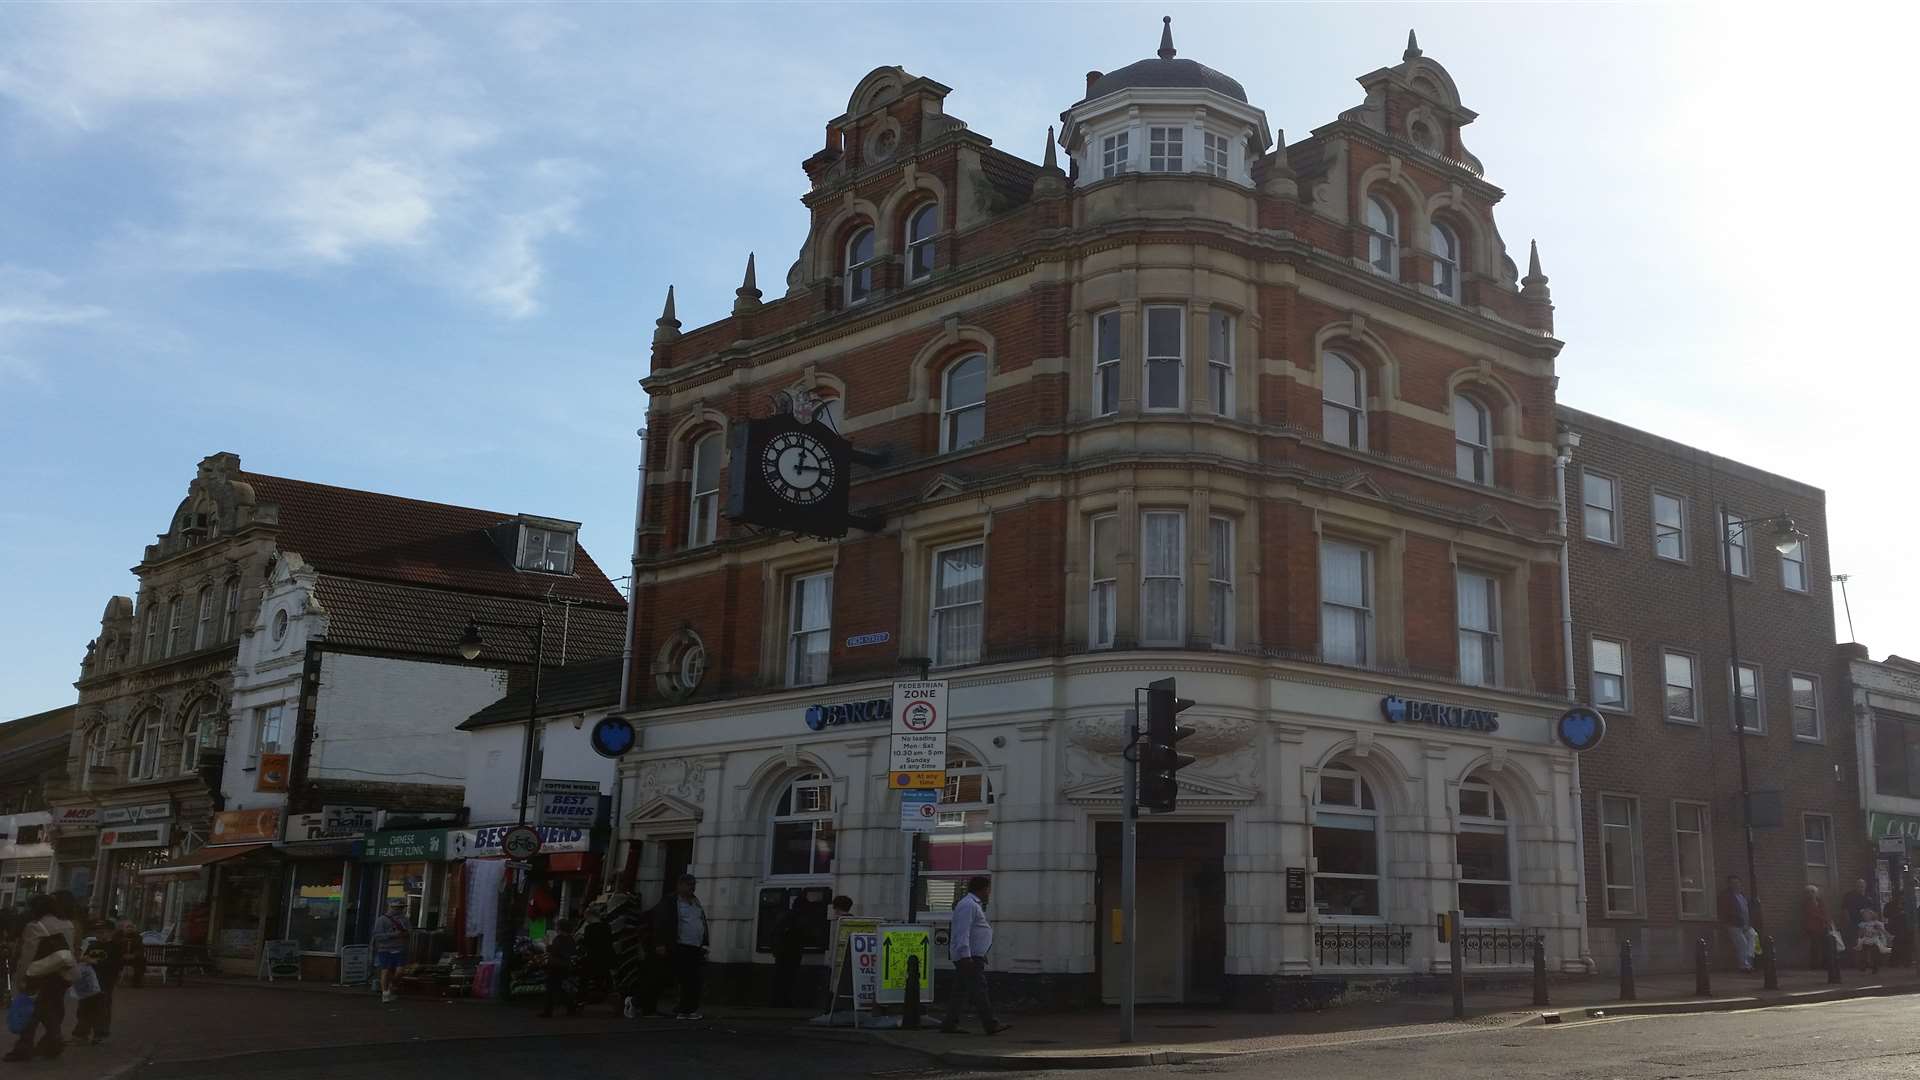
(571, 689)
(390, 616)
(364, 534)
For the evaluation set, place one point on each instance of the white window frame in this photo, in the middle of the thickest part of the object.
(267, 717)
(1486, 639)
(143, 747)
(1353, 415)
(1106, 369)
(935, 612)
(1216, 154)
(1148, 359)
(1793, 706)
(1220, 360)
(860, 273)
(1667, 683)
(1335, 813)
(1678, 529)
(538, 547)
(1446, 261)
(801, 627)
(1500, 823)
(813, 781)
(203, 622)
(97, 753)
(1114, 154)
(1707, 893)
(1826, 841)
(1366, 608)
(175, 627)
(193, 730)
(1166, 148)
(1178, 577)
(1798, 560)
(1635, 888)
(1625, 701)
(952, 813)
(1610, 508)
(1759, 711)
(1480, 452)
(1103, 593)
(703, 507)
(1735, 549)
(1220, 578)
(925, 242)
(1383, 245)
(950, 412)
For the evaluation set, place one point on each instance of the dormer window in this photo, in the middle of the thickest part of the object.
(547, 550)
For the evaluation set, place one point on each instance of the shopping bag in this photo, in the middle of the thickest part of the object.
(20, 1013)
(86, 981)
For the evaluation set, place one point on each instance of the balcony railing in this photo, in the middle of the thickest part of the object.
(1361, 946)
(1498, 946)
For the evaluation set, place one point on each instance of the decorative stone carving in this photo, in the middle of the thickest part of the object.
(1212, 735)
(678, 777)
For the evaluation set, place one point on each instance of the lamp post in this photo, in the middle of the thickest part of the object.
(1786, 536)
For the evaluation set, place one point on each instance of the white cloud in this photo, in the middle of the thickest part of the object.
(30, 308)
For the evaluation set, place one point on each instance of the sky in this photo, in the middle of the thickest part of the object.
(420, 249)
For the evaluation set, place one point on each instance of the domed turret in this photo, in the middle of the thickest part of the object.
(1164, 72)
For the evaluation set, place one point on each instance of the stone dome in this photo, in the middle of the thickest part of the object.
(1165, 71)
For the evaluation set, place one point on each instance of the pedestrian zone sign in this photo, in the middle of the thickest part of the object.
(919, 748)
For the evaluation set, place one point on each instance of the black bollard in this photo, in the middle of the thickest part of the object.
(1702, 983)
(1540, 970)
(1833, 963)
(910, 1017)
(1769, 974)
(1626, 970)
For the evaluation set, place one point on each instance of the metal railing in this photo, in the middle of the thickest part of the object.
(1361, 946)
(1498, 946)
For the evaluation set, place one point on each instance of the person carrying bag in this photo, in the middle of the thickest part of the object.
(46, 963)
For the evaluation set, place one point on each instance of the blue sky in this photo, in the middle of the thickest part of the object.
(420, 249)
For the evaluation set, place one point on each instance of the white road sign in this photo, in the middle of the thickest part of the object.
(919, 733)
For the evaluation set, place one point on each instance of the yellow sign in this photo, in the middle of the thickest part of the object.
(901, 780)
(1117, 925)
(897, 944)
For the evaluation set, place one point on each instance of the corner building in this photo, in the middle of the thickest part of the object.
(1276, 420)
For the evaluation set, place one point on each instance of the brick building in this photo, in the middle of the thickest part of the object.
(1661, 794)
(1276, 420)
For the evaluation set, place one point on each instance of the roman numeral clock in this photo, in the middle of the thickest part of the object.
(791, 475)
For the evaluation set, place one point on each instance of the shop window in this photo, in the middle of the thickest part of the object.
(1483, 849)
(407, 882)
(801, 834)
(1346, 847)
(314, 901)
(961, 844)
(1896, 755)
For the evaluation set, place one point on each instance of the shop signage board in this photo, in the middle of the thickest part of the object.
(484, 843)
(246, 826)
(919, 810)
(865, 948)
(898, 943)
(283, 959)
(822, 717)
(612, 736)
(917, 757)
(1399, 710)
(569, 802)
(131, 836)
(122, 815)
(346, 820)
(1880, 823)
(273, 773)
(76, 815)
(406, 845)
(356, 964)
(304, 827)
(844, 930)
(1893, 845)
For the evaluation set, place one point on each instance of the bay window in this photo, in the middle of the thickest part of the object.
(1166, 357)
(1220, 580)
(1220, 362)
(1106, 364)
(1102, 599)
(1163, 568)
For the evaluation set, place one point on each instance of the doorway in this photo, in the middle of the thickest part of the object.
(675, 856)
(1182, 918)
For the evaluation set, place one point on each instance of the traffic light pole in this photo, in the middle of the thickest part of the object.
(1129, 829)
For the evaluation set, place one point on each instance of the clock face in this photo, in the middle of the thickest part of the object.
(798, 467)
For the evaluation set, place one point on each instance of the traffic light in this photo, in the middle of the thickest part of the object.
(1159, 761)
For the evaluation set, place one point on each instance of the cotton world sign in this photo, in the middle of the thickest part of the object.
(919, 750)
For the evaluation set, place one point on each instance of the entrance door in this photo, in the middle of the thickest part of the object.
(1181, 921)
(676, 856)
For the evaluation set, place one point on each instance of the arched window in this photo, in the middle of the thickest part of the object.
(230, 622)
(703, 518)
(920, 248)
(198, 729)
(98, 754)
(1472, 440)
(1446, 261)
(203, 623)
(151, 650)
(143, 747)
(1484, 849)
(859, 265)
(800, 837)
(1383, 241)
(176, 630)
(963, 404)
(961, 844)
(1346, 847)
(1343, 402)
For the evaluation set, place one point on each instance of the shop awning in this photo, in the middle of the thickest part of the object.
(206, 856)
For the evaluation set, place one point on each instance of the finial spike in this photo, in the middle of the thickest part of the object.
(749, 284)
(747, 296)
(1533, 259)
(1051, 162)
(1166, 37)
(666, 313)
(666, 328)
(1413, 47)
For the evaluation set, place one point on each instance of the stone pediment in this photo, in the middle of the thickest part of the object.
(1195, 791)
(665, 810)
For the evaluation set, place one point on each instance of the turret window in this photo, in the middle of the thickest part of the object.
(860, 260)
(1214, 157)
(1166, 149)
(1383, 237)
(1113, 155)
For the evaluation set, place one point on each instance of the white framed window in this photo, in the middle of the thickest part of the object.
(961, 844)
(959, 603)
(1103, 593)
(860, 260)
(1343, 401)
(176, 628)
(1483, 848)
(143, 747)
(1383, 237)
(1816, 848)
(1793, 567)
(1113, 155)
(1620, 858)
(1748, 713)
(268, 738)
(1609, 682)
(1479, 604)
(1682, 705)
(1445, 250)
(151, 651)
(1693, 859)
(1600, 498)
(1215, 157)
(1106, 363)
(1166, 357)
(1346, 847)
(1166, 149)
(963, 403)
(1220, 580)
(1806, 708)
(1163, 565)
(203, 623)
(99, 755)
(1220, 361)
(703, 517)
(922, 227)
(1346, 603)
(549, 551)
(800, 836)
(809, 628)
(1669, 527)
(1733, 551)
(199, 729)
(1472, 441)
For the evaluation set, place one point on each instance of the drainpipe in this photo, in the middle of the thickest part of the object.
(1564, 445)
(617, 843)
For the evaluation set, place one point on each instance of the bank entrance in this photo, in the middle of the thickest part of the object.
(1182, 896)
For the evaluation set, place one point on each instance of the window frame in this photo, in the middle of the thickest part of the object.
(1625, 702)
(795, 602)
(935, 610)
(96, 752)
(703, 529)
(1485, 636)
(1220, 580)
(1693, 687)
(1793, 707)
(174, 627)
(1679, 530)
(203, 619)
(1498, 822)
(193, 731)
(1216, 154)
(1383, 247)
(1095, 638)
(1481, 452)
(1368, 606)
(1178, 638)
(230, 619)
(150, 650)
(928, 243)
(1116, 154)
(859, 273)
(1635, 858)
(1447, 260)
(1106, 369)
(1728, 545)
(1709, 911)
(1148, 359)
(951, 413)
(143, 747)
(1588, 506)
(1759, 699)
(1797, 559)
(1171, 141)
(1219, 368)
(1354, 413)
(1826, 843)
(275, 712)
(541, 563)
(1363, 794)
(813, 780)
(959, 765)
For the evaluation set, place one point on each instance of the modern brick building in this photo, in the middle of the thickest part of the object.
(1274, 419)
(1661, 794)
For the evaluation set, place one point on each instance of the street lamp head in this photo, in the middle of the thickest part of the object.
(470, 642)
(1786, 535)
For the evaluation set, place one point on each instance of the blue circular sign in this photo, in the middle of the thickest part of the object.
(612, 736)
(1580, 728)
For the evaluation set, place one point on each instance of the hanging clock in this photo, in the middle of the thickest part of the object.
(798, 467)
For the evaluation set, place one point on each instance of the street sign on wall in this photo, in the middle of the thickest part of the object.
(918, 756)
(573, 803)
(919, 810)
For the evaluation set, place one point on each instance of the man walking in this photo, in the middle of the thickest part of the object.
(1736, 914)
(972, 938)
(680, 937)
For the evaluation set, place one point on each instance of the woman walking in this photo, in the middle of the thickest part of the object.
(390, 945)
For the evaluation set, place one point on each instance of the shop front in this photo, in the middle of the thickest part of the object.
(26, 857)
(244, 874)
(321, 903)
(134, 839)
(563, 877)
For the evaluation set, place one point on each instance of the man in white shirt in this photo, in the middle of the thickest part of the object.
(971, 938)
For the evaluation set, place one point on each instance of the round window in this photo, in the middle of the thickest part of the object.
(682, 666)
(279, 626)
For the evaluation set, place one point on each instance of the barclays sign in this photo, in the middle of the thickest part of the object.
(1399, 710)
(822, 717)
